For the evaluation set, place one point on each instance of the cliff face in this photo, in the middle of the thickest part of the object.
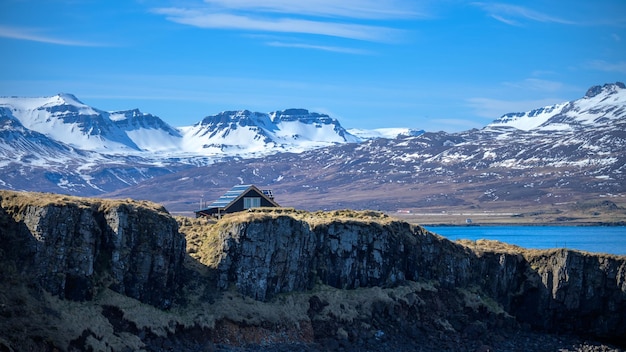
(270, 255)
(71, 245)
(557, 290)
(351, 276)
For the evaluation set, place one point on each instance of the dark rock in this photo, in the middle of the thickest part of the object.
(71, 245)
(562, 291)
(403, 287)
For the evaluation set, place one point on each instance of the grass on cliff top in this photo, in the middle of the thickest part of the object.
(20, 200)
(202, 234)
(313, 218)
(482, 246)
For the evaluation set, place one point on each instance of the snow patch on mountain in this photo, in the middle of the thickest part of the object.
(530, 120)
(247, 133)
(147, 131)
(66, 119)
(389, 133)
(599, 104)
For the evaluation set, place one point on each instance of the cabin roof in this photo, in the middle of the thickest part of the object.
(232, 195)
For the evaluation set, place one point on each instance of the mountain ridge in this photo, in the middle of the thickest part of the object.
(598, 102)
(66, 119)
(564, 152)
(497, 167)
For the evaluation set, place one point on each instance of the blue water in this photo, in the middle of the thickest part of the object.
(588, 238)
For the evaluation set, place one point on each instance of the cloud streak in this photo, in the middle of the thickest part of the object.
(364, 9)
(602, 65)
(536, 84)
(207, 19)
(348, 19)
(319, 47)
(30, 34)
(513, 14)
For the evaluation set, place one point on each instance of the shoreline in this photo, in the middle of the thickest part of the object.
(544, 224)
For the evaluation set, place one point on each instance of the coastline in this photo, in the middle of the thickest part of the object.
(452, 217)
(543, 224)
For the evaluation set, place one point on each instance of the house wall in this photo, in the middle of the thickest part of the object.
(238, 205)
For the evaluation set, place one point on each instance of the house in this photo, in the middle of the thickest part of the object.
(239, 198)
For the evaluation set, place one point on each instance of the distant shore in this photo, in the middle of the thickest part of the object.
(539, 218)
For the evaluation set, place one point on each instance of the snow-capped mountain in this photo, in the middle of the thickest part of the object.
(549, 155)
(246, 133)
(19, 144)
(554, 155)
(148, 132)
(65, 119)
(601, 104)
(61, 142)
(389, 132)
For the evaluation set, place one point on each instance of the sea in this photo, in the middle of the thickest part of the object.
(602, 239)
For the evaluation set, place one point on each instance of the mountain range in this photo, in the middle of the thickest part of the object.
(59, 144)
(551, 155)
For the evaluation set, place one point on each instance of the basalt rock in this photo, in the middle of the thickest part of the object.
(264, 258)
(267, 256)
(357, 278)
(71, 245)
(555, 290)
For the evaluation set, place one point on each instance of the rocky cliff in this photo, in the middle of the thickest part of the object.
(558, 290)
(71, 245)
(80, 274)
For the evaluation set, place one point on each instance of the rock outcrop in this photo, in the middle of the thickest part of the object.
(278, 276)
(556, 290)
(269, 255)
(71, 245)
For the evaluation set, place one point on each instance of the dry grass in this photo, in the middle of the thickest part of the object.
(482, 246)
(202, 234)
(475, 300)
(313, 218)
(17, 202)
(203, 244)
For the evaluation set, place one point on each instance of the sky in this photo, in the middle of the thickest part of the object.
(425, 64)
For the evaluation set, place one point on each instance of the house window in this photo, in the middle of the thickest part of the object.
(251, 202)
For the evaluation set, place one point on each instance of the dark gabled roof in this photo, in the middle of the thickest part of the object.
(230, 196)
(235, 193)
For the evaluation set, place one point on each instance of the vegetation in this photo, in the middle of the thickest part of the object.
(18, 201)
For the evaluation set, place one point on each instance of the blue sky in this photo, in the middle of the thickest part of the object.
(434, 65)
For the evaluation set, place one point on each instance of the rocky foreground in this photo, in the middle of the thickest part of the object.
(90, 274)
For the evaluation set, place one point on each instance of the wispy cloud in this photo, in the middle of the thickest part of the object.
(348, 19)
(35, 35)
(513, 14)
(205, 19)
(602, 65)
(367, 9)
(536, 84)
(319, 47)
